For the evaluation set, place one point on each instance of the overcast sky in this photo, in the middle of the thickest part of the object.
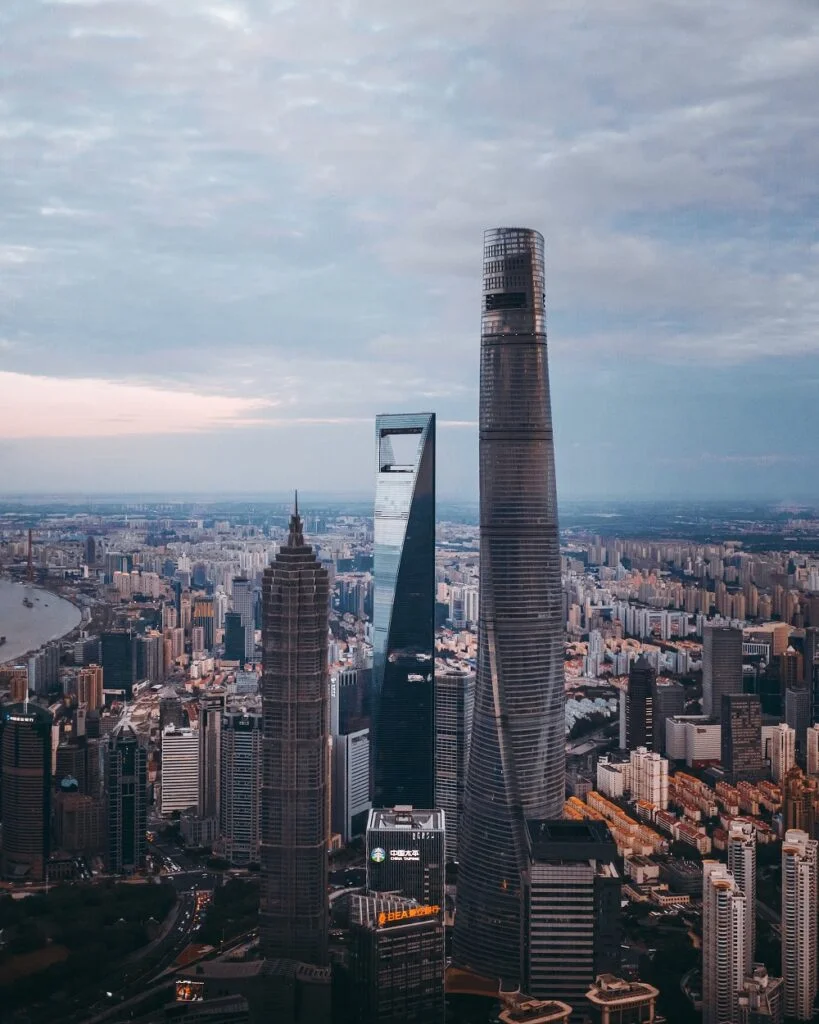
(231, 232)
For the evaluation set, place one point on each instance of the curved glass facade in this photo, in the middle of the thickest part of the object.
(516, 764)
(404, 611)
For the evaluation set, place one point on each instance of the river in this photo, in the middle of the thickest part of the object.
(27, 629)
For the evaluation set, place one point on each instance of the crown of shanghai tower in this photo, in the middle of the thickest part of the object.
(516, 765)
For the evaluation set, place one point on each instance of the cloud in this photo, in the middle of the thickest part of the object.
(287, 200)
(84, 407)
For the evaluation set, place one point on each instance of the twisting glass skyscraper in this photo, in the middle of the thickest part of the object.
(404, 611)
(517, 757)
(293, 911)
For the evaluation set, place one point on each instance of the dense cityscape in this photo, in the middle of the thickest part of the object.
(402, 759)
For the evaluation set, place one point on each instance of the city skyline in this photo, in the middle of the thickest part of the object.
(178, 249)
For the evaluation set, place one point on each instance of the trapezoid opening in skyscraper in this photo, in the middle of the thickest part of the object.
(516, 767)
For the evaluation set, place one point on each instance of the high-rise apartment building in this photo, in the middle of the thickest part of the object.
(649, 777)
(572, 915)
(721, 666)
(90, 686)
(241, 785)
(404, 611)
(397, 961)
(800, 794)
(293, 908)
(516, 765)
(741, 736)
(454, 706)
(639, 698)
(812, 748)
(25, 770)
(202, 616)
(783, 751)
(724, 907)
(742, 865)
(126, 784)
(211, 709)
(180, 769)
(799, 935)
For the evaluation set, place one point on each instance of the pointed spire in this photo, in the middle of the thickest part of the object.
(296, 536)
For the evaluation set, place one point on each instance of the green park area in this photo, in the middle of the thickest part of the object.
(68, 939)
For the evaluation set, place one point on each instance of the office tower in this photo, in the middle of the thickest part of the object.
(118, 656)
(211, 709)
(350, 693)
(202, 617)
(517, 756)
(350, 784)
(404, 611)
(44, 669)
(649, 777)
(243, 603)
(799, 799)
(617, 1001)
(79, 821)
(639, 705)
(126, 783)
(90, 551)
(797, 716)
(25, 769)
(761, 999)
(79, 759)
(742, 865)
(235, 635)
(741, 736)
(295, 767)
(454, 706)
(397, 961)
(406, 853)
(799, 923)
(150, 657)
(89, 687)
(791, 669)
(724, 907)
(783, 751)
(667, 700)
(241, 774)
(197, 641)
(18, 684)
(721, 666)
(572, 915)
(811, 651)
(812, 749)
(180, 769)
(170, 709)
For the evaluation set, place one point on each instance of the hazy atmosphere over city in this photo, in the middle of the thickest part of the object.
(231, 233)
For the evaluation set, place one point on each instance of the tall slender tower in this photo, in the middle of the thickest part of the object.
(742, 865)
(517, 754)
(724, 907)
(799, 894)
(404, 611)
(295, 765)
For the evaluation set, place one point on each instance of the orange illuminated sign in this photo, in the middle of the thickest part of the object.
(408, 914)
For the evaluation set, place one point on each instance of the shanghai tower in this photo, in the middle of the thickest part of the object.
(293, 910)
(517, 756)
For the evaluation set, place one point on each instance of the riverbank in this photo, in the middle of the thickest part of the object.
(31, 617)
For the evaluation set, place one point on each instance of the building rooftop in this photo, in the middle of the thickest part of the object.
(406, 817)
(523, 1010)
(570, 840)
(610, 990)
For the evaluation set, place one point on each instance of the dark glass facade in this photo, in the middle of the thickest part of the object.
(640, 705)
(118, 655)
(721, 666)
(516, 764)
(741, 736)
(25, 769)
(404, 611)
(126, 782)
(293, 910)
